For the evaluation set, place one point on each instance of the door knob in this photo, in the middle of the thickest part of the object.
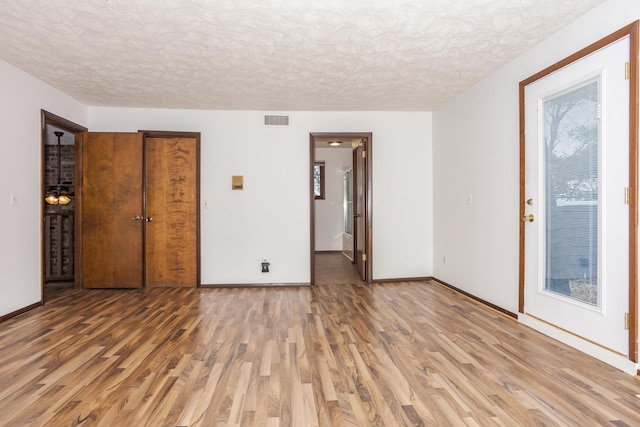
(136, 218)
(526, 218)
(149, 219)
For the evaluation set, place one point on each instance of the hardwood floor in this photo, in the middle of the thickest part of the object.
(334, 268)
(393, 354)
(51, 290)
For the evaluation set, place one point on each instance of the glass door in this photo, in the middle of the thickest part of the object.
(576, 174)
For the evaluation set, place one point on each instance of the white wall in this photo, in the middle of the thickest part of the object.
(22, 98)
(269, 219)
(329, 213)
(476, 151)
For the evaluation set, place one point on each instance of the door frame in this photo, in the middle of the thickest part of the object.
(630, 30)
(368, 198)
(47, 118)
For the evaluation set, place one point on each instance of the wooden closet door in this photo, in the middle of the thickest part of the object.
(111, 210)
(171, 211)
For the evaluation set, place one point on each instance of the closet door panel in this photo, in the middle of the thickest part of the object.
(171, 211)
(112, 210)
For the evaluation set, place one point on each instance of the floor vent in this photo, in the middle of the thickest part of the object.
(271, 120)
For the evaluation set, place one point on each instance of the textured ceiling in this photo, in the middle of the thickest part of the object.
(273, 55)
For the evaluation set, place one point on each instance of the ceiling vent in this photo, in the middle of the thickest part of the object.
(272, 120)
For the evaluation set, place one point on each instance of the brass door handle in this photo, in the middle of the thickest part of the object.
(526, 218)
(136, 218)
(149, 219)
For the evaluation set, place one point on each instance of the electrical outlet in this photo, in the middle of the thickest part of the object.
(265, 266)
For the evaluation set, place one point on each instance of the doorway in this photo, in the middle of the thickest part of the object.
(59, 219)
(340, 212)
(578, 172)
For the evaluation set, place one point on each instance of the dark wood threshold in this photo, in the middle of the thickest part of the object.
(255, 285)
(475, 298)
(404, 279)
(19, 312)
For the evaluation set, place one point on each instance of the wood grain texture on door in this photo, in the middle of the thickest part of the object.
(171, 211)
(111, 210)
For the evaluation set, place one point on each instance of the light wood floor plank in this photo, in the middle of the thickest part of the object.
(343, 354)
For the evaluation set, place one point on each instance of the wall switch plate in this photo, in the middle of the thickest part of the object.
(13, 199)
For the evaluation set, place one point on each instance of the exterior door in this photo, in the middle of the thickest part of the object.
(576, 216)
(360, 212)
(170, 213)
(111, 210)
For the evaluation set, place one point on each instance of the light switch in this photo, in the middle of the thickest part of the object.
(13, 199)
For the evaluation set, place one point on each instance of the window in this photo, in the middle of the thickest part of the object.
(318, 180)
(572, 154)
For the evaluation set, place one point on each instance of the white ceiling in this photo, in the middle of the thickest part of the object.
(273, 55)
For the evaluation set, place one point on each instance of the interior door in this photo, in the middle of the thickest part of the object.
(360, 209)
(111, 210)
(171, 211)
(576, 175)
